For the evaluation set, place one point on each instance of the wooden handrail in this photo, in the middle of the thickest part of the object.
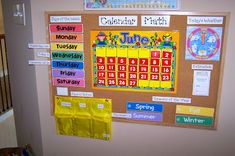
(2, 35)
(5, 93)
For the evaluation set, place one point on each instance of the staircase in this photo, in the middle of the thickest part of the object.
(5, 93)
(7, 122)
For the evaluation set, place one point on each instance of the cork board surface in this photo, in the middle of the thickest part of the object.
(139, 100)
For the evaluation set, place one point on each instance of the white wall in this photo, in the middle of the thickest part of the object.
(22, 77)
(135, 139)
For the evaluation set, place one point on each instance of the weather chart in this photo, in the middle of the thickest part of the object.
(203, 43)
(135, 60)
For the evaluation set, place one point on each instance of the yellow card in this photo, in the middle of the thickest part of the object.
(165, 84)
(111, 52)
(167, 49)
(67, 46)
(121, 52)
(133, 53)
(144, 53)
(193, 110)
(143, 83)
(101, 51)
(154, 84)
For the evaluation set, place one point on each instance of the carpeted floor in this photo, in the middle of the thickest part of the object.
(7, 130)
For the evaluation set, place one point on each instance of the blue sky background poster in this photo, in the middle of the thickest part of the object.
(131, 4)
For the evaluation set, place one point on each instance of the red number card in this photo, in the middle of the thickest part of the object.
(100, 60)
(132, 68)
(100, 67)
(166, 54)
(165, 77)
(155, 69)
(143, 61)
(143, 68)
(166, 62)
(101, 74)
(121, 67)
(166, 69)
(154, 61)
(154, 76)
(155, 54)
(122, 82)
(132, 83)
(143, 76)
(132, 75)
(121, 60)
(122, 75)
(111, 82)
(111, 74)
(111, 60)
(111, 67)
(101, 81)
(133, 61)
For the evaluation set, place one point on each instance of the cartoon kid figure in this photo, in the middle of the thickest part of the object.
(167, 41)
(101, 39)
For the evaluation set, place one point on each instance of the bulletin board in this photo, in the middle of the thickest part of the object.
(157, 68)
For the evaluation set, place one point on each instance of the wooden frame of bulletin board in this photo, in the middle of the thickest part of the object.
(159, 68)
